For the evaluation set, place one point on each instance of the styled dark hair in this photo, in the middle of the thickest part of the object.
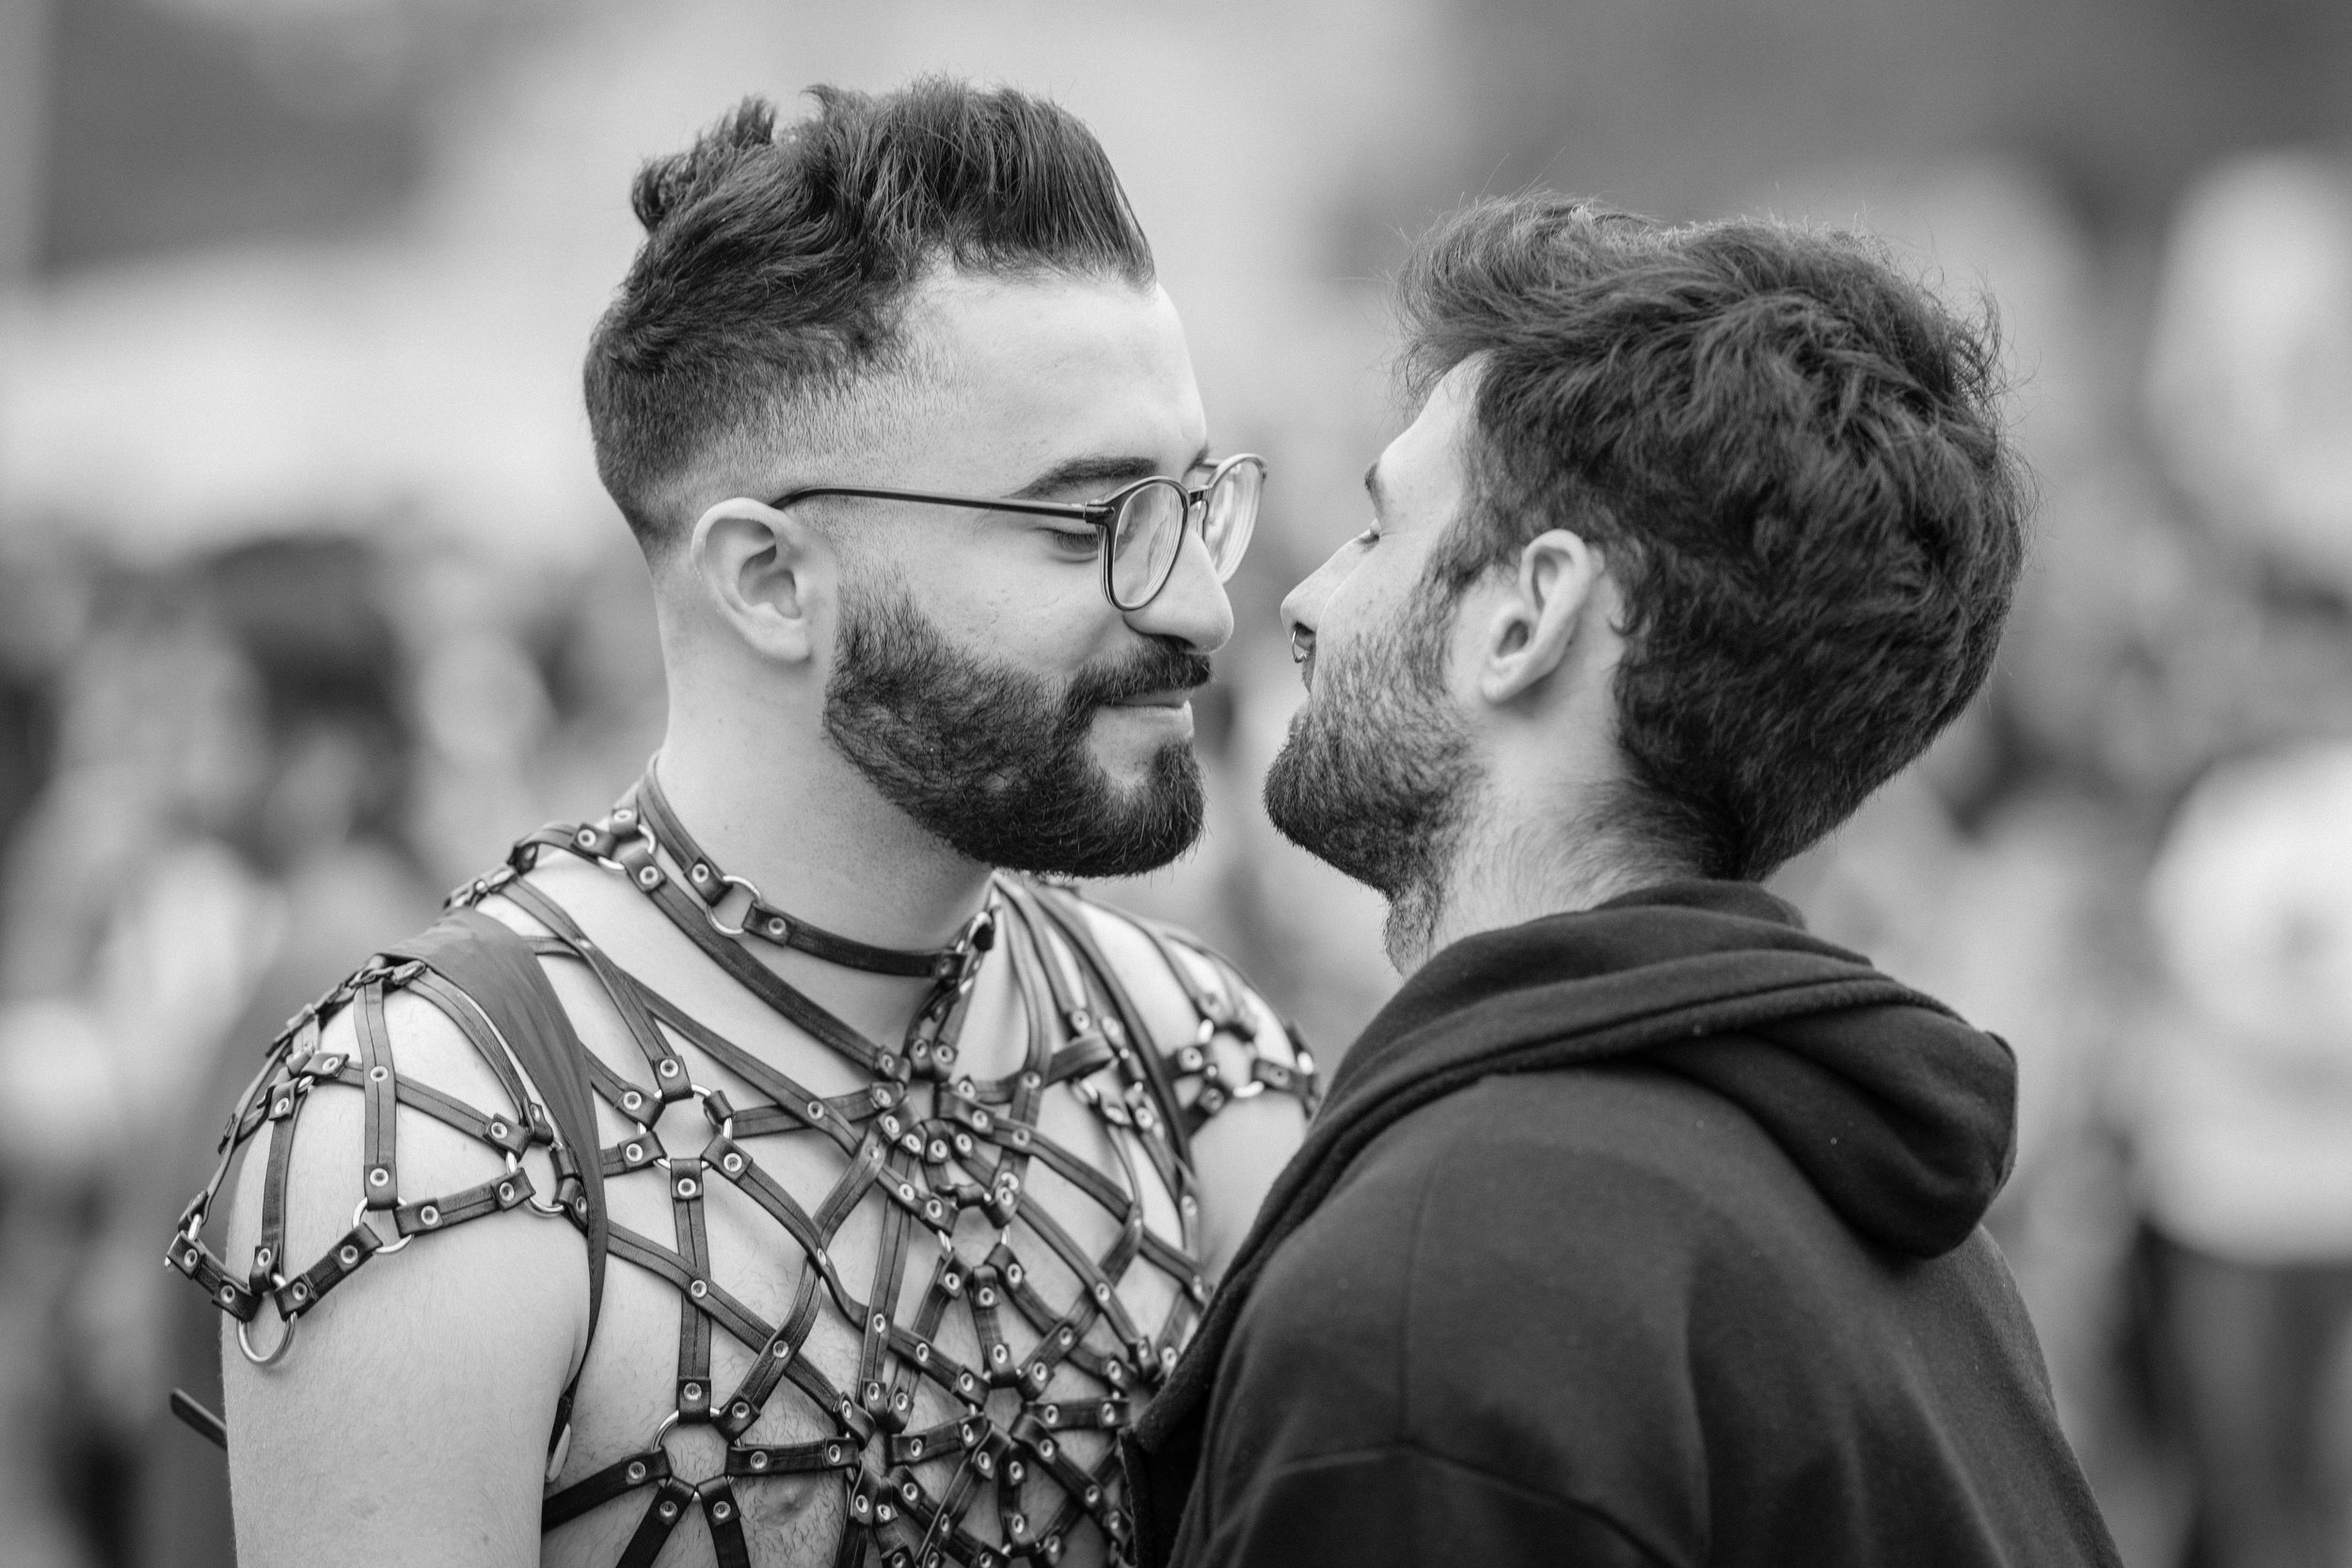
(775, 260)
(1788, 456)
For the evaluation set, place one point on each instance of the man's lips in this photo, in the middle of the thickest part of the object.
(1154, 699)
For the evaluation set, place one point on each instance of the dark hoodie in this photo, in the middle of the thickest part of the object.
(1644, 1235)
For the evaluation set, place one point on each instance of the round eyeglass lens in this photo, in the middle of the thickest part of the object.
(1144, 540)
(1231, 513)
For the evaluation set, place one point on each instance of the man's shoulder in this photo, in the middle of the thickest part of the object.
(1176, 980)
(1535, 1230)
(1630, 1156)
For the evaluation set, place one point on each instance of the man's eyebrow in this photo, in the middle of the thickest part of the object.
(1096, 472)
(1379, 496)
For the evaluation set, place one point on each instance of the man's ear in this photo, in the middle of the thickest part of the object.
(766, 573)
(1554, 597)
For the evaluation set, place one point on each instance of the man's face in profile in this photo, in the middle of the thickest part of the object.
(980, 678)
(1377, 774)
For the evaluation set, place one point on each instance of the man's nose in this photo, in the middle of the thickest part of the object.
(1192, 607)
(1302, 607)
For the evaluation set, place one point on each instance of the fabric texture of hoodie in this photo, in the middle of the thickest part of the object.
(1644, 1235)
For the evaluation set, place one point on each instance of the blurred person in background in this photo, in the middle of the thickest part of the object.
(1642, 1226)
(224, 824)
(911, 440)
(2243, 1146)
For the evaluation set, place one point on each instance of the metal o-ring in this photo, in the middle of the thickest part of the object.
(277, 1352)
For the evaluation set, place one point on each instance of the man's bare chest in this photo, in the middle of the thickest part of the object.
(848, 1309)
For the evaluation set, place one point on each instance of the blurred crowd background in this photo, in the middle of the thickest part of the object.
(308, 600)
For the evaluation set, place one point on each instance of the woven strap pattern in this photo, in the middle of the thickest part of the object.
(938, 1460)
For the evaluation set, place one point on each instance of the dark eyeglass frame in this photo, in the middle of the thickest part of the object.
(1101, 514)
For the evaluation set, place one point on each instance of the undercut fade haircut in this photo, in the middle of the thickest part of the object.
(777, 260)
(1790, 457)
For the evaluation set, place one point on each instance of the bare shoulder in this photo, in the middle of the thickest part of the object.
(1246, 1083)
(384, 1213)
(1178, 982)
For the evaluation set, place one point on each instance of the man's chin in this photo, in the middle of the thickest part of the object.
(1127, 740)
(1124, 822)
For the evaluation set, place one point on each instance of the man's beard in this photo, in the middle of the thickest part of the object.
(1376, 776)
(994, 761)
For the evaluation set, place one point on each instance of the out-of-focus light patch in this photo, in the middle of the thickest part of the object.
(2245, 1111)
(170, 406)
(2251, 898)
(2250, 378)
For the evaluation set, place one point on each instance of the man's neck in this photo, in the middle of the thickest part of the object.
(789, 812)
(1508, 872)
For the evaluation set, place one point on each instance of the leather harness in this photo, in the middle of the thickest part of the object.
(933, 1141)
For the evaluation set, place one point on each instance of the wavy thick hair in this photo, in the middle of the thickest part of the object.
(776, 260)
(1790, 457)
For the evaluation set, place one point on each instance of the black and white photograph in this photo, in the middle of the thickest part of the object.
(1173, 783)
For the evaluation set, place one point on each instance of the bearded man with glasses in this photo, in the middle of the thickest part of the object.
(822, 1190)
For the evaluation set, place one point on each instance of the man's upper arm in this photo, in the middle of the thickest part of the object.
(1248, 1138)
(408, 1423)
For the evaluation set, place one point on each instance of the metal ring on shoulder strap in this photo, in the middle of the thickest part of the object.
(278, 1352)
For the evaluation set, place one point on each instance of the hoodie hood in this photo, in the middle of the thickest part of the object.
(1901, 1117)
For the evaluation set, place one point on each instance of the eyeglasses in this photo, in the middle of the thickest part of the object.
(1143, 523)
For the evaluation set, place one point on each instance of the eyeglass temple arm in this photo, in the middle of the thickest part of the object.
(1095, 511)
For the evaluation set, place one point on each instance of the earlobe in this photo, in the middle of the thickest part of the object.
(759, 569)
(1549, 602)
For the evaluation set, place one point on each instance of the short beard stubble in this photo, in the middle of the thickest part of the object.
(1375, 776)
(993, 761)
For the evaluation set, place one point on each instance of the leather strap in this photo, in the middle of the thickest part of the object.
(497, 970)
(761, 918)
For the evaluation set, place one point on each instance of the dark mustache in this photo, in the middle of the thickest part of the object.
(1156, 666)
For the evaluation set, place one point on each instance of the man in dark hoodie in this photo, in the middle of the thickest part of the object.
(1642, 1226)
